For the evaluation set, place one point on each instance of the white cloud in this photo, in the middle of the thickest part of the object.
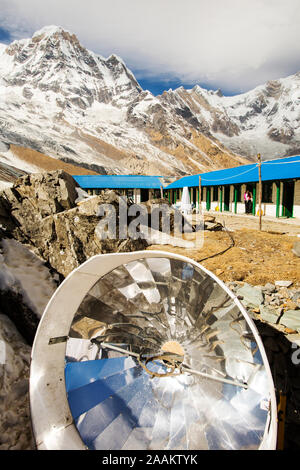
(231, 44)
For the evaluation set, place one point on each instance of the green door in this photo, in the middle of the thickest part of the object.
(208, 198)
(254, 198)
(288, 198)
(277, 198)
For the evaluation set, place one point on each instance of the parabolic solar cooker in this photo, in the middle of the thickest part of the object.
(149, 350)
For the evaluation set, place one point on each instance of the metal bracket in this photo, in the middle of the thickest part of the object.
(171, 361)
(58, 339)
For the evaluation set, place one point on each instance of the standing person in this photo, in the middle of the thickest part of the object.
(248, 202)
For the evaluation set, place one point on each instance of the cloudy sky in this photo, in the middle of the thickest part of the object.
(234, 45)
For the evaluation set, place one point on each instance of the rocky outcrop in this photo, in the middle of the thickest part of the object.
(224, 125)
(275, 310)
(283, 135)
(40, 210)
(42, 193)
(277, 304)
(9, 173)
(15, 426)
(284, 359)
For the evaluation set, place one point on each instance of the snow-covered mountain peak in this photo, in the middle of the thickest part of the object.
(53, 60)
(197, 89)
(49, 31)
(113, 58)
(48, 43)
(65, 101)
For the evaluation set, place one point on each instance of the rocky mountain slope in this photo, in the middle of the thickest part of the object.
(68, 103)
(16, 161)
(265, 120)
(60, 99)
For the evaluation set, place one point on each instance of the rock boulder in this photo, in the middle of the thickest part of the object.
(251, 296)
(40, 210)
(296, 249)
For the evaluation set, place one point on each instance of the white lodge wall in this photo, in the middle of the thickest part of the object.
(296, 212)
(269, 208)
(214, 204)
(240, 207)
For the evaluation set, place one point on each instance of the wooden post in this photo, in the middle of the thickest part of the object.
(259, 190)
(199, 195)
(281, 420)
(235, 198)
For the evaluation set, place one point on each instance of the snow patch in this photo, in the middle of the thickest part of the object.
(23, 272)
(82, 196)
(11, 159)
(4, 185)
(2, 48)
(106, 113)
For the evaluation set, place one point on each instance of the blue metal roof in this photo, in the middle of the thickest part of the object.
(118, 181)
(279, 169)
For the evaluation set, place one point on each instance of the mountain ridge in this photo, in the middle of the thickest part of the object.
(60, 99)
(249, 122)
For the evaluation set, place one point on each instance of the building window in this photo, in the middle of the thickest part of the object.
(215, 193)
(157, 195)
(267, 188)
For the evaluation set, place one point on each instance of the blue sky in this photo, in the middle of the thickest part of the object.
(157, 85)
(234, 45)
(5, 36)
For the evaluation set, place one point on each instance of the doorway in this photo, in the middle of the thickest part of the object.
(226, 198)
(193, 195)
(144, 195)
(252, 188)
(288, 198)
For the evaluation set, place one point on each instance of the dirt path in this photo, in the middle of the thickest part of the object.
(256, 258)
(269, 224)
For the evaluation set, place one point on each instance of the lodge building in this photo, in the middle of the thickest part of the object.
(139, 188)
(223, 190)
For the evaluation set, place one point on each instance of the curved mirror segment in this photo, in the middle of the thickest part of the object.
(159, 356)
